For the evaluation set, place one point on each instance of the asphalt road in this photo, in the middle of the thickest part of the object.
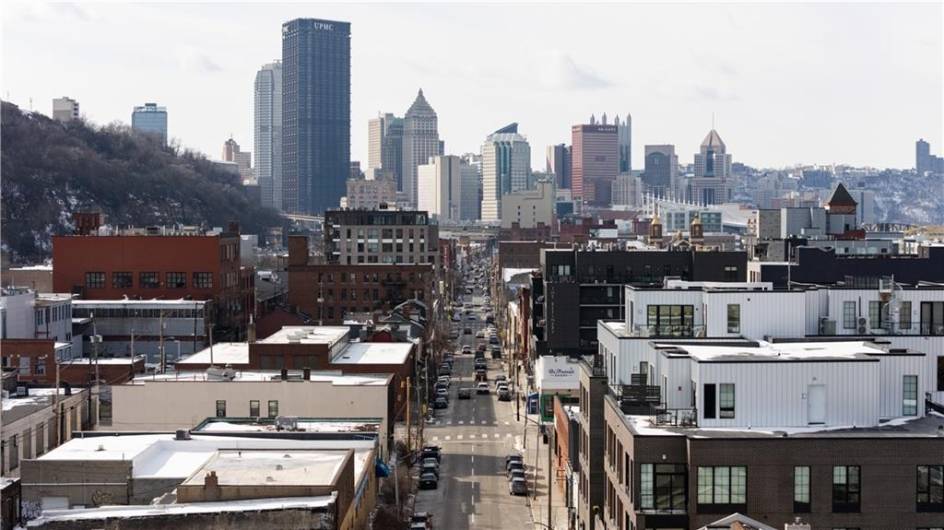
(475, 436)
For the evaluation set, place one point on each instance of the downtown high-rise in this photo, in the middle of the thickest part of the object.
(420, 142)
(385, 148)
(595, 162)
(151, 119)
(506, 168)
(267, 133)
(316, 114)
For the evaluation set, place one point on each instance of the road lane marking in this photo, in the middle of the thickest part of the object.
(483, 422)
(435, 438)
(496, 435)
(459, 437)
(461, 422)
(447, 437)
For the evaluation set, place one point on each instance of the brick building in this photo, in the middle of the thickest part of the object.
(327, 292)
(100, 262)
(380, 236)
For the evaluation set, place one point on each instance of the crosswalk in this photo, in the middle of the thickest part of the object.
(471, 422)
(458, 437)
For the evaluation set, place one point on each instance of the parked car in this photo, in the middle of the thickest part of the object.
(481, 388)
(429, 481)
(501, 378)
(465, 393)
(441, 392)
(467, 331)
(431, 451)
(493, 340)
(430, 468)
(518, 473)
(440, 403)
(467, 349)
(511, 466)
(504, 395)
(423, 518)
(514, 457)
(496, 353)
(517, 486)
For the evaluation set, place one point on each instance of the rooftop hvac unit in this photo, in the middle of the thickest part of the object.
(827, 326)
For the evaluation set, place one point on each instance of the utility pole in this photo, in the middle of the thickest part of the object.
(160, 332)
(409, 446)
(550, 482)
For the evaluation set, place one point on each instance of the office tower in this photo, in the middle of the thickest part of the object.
(660, 175)
(151, 119)
(922, 157)
(470, 197)
(385, 148)
(506, 167)
(420, 141)
(558, 164)
(316, 113)
(625, 135)
(242, 159)
(594, 162)
(627, 190)
(439, 186)
(65, 109)
(369, 194)
(712, 172)
(529, 208)
(267, 133)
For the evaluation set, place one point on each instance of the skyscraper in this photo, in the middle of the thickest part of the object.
(660, 175)
(385, 148)
(712, 172)
(420, 141)
(316, 114)
(470, 201)
(922, 157)
(440, 187)
(151, 119)
(594, 162)
(65, 109)
(625, 135)
(506, 167)
(267, 133)
(558, 164)
(242, 159)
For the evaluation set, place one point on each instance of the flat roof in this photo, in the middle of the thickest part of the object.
(104, 360)
(903, 427)
(15, 408)
(224, 353)
(307, 335)
(152, 510)
(153, 301)
(374, 353)
(781, 351)
(271, 467)
(163, 456)
(327, 425)
(336, 378)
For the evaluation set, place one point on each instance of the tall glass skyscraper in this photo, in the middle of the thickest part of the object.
(150, 119)
(267, 133)
(316, 114)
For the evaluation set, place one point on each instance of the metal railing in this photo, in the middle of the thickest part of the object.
(687, 417)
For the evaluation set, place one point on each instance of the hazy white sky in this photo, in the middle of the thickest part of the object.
(788, 83)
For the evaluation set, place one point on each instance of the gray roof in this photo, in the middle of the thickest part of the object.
(420, 106)
(713, 140)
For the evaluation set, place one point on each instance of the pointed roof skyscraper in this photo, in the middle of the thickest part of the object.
(420, 106)
(713, 140)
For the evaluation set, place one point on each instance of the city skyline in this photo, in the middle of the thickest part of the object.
(815, 104)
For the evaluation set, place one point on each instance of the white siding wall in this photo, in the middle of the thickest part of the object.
(862, 297)
(933, 347)
(894, 368)
(766, 313)
(769, 395)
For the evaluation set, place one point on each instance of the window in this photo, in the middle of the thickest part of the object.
(846, 489)
(801, 489)
(94, 280)
(646, 497)
(930, 491)
(14, 453)
(940, 373)
(176, 280)
(721, 488)
(909, 397)
(932, 318)
(849, 315)
(710, 402)
(203, 280)
(220, 408)
(40, 367)
(730, 273)
(149, 280)
(726, 400)
(24, 365)
(671, 320)
(121, 280)
(876, 310)
(254, 408)
(904, 316)
(273, 409)
(734, 318)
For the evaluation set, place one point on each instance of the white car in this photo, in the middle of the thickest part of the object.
(482, 388)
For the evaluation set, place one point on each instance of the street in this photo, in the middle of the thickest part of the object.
(475, 435)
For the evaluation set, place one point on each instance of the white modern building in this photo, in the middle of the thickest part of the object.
(440, 187)
(65, 109)
(470, 183)
(529, 207)
(267, 133)
(506, 168)
(26, 314)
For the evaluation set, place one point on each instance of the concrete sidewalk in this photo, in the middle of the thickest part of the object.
(535, 453)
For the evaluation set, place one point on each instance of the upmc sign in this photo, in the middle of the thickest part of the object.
(324, 26)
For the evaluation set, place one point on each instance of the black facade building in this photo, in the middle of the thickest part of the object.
(583, 286)
(822, 266)
(316, 114)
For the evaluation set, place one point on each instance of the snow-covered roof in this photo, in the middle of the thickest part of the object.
(374, 353)
(180, 302)
(271, 468)
(102, 360)
(509, 273)
(305, 425)
(37, 396)
(788, 351)
(233, 353)
(336, 378)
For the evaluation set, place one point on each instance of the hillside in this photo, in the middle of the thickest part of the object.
(50, 170)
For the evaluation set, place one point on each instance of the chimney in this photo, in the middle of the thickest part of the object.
(251, 330)
(306, 373)
(284, 374)
(87, 223)
(211, 487)
(297, 250)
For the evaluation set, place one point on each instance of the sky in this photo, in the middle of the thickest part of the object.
(785, 83)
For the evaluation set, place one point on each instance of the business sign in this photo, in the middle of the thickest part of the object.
(557, 373)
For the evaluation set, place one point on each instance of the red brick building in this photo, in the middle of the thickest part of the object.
(156, 262)
(33, 361)
(345, 289)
